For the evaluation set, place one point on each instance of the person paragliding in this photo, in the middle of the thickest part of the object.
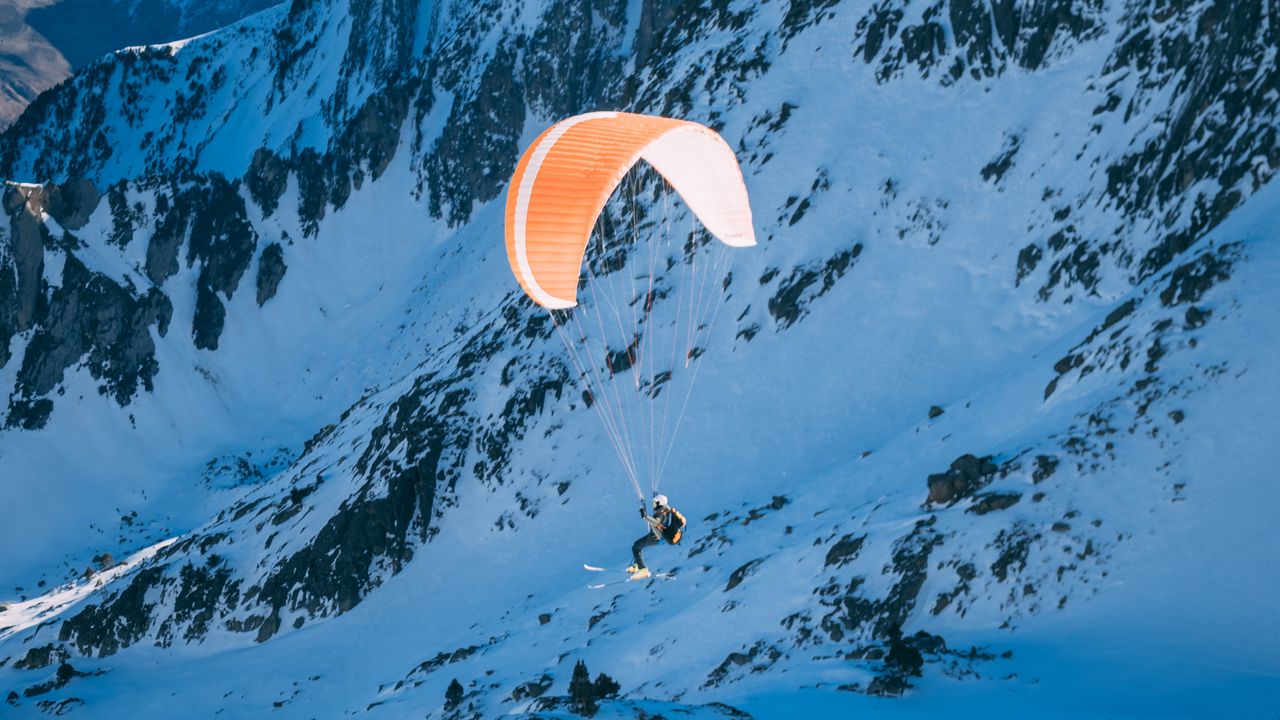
(638, 332)
(665, 525)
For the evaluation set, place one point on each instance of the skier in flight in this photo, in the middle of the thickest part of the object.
(666, 524)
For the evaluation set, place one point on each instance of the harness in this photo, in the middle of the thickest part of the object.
(675, 539)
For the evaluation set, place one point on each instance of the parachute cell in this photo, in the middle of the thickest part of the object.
(567, 175)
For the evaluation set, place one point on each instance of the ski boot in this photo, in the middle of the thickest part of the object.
(638, 573)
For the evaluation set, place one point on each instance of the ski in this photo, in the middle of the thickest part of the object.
(654, 576)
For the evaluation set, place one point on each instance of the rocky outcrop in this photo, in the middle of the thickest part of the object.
(271, 270)
(114, 342)
(987, 37)
(967, 474)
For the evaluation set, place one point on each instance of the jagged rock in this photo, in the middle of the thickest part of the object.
(788, 304)
(967, 474)
(1191, 280)
(72, 202)
(994, 171)
(1028, 258)
(1045, 467)
(266, 179)
(271, 270)
(887, 686)
(65, 674)
(114, 342)
(737, 576)
(989, 502)
(478, 149)
(123, 619)
(27, 240)
(935, 411)
(41, 657)
(844, 551)
(1014, 546)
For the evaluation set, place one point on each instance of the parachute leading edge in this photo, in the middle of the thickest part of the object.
(567, 175)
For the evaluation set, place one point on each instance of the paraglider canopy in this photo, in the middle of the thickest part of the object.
(651, 294)
(567, 175)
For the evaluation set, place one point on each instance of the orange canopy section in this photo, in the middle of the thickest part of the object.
(566, 176)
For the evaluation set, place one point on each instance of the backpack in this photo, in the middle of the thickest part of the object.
(675, 539)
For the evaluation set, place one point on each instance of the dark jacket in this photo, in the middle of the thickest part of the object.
(671, 525)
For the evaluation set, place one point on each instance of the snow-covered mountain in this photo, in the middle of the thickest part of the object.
(43, 41)
(985, 419)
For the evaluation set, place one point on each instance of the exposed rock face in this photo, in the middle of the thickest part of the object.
(72, 202)
(271, 270)
(966, 475)
(103, 322)
(27, 237)
(988, 36)
(41, 657)
(114, 340)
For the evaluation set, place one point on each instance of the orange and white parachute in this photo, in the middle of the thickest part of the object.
(567, 175)
(637, 339)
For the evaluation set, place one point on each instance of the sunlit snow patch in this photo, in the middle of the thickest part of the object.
(19, 616)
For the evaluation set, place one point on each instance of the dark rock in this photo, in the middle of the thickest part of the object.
(479, 146)
(27, 240)
(210, 316)
(935, 411)
(760, 650)
(266, 179)
(789, 302)
(967, 475)
(72, 202)
(994, 171)
(887, 686)
(533, 688)
(1028, 258)
(172, 221)
(42, 657)
(118, 621)
(1191, 280)
(1196, 318)
(114, 341)
(65, 674)
(1014, 546)
(453, 695)
(271, 270)
(844, 551)
(742, 573)
(1045, 467)
(989, 502)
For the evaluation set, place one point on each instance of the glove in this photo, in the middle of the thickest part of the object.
(643, 514)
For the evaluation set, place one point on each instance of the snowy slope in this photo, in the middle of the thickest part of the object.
(979, 240)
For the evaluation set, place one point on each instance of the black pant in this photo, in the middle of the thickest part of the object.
(649, 540)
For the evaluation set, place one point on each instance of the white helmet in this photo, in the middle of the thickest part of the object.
(659, 501)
